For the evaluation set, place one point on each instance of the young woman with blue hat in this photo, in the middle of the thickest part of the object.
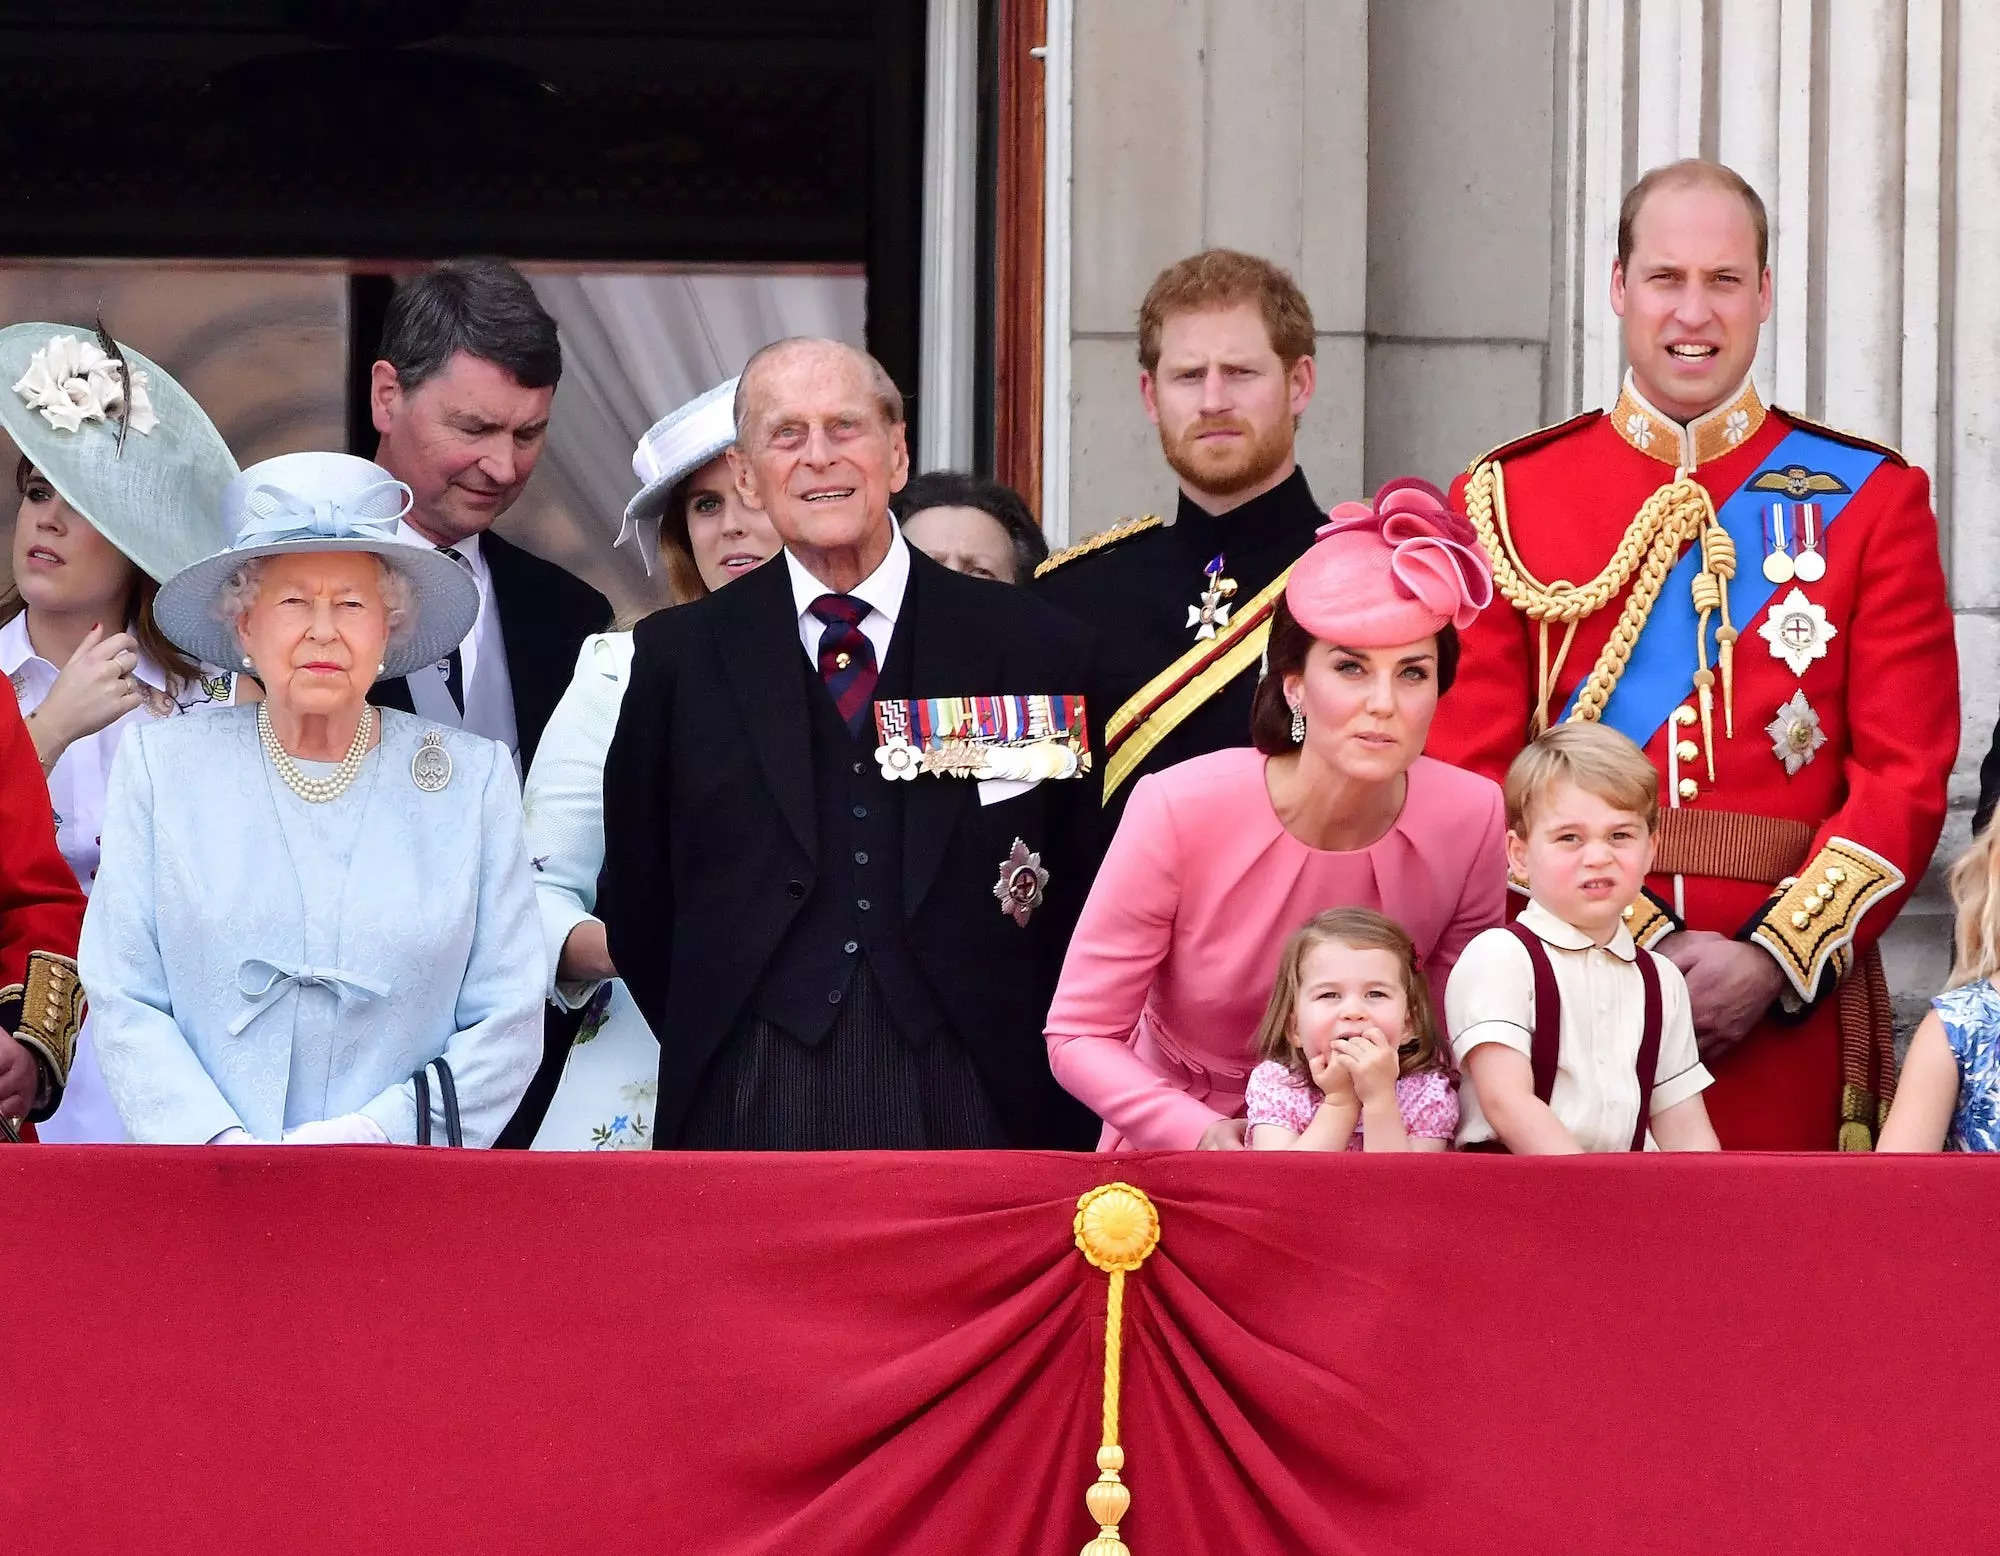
(688, 511)
(305, 902)
(120, 480)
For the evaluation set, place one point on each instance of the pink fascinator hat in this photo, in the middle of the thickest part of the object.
(1392, 571)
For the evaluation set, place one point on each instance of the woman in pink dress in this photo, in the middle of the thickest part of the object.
(1219, 859)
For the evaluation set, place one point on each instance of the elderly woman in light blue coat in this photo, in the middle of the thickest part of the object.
(303, 903)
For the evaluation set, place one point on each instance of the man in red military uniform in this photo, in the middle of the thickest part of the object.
(1758, 602)
(41, 914)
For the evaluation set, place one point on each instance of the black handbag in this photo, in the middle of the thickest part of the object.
(447, 1097)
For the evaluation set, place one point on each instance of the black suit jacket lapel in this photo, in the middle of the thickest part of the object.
(758, 643)
(942, 663)
(393, 693)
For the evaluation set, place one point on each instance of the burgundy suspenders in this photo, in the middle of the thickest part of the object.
(1546, 1040)
(1649, 1044)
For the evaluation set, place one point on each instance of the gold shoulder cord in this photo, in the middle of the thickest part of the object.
(1677, 513)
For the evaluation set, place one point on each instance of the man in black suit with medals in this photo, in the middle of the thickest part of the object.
(460, 398)
(1182, 609)
(848, 818)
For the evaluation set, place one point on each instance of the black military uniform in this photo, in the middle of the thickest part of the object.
(1142, 586)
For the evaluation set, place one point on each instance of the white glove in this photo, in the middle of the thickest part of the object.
(348, 1129)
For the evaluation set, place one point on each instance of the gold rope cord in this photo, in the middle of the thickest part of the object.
(1675, 514)
(1116, 1229)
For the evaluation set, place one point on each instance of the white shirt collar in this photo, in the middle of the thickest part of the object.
(882, 590)
(17, 650)
(1549, 929)
(467, 548)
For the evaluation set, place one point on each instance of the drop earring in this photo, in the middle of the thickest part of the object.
(1298, 726)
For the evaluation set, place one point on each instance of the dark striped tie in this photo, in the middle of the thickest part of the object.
(846, 657)
(452, 664)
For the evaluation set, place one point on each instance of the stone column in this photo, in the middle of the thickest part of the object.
(1194, 123)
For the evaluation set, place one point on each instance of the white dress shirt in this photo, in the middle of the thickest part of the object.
(1491, 999)
(482, 661)
(882, 591)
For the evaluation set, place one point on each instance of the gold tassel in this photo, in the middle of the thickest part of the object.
(1116, 1229)
(1718, 557)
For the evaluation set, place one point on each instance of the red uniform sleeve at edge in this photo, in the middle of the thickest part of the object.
(41, 906)
(1482, 722)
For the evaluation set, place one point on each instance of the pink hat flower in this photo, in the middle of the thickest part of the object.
(1390, 572)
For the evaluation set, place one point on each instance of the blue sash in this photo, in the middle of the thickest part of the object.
(1660, 674)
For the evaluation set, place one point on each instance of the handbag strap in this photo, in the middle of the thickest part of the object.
(454, 1134)
(422, 1081)
(454, 1131)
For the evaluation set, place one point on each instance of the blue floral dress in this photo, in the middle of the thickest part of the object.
(1971, 1017)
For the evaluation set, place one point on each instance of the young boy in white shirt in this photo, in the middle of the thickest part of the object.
(1573, 1037)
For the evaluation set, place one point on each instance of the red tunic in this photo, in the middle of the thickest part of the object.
(1885, 693)
(41, 906)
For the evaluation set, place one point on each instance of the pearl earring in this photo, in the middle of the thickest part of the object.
(246, 663)
(1298, 726)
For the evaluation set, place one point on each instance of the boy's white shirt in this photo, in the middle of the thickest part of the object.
(1491, 999)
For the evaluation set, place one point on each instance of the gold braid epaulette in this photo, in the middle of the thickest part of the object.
(1675, 514)
(1842, 435)
(1124, 529)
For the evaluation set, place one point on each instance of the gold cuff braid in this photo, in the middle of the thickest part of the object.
(51, 1012)
(1649, 922)
(1810, 925)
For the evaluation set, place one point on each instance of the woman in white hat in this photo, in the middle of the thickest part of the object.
(688, 510)
(120, 487)
(303, 903)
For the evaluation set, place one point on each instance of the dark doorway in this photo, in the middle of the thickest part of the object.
(390, 131)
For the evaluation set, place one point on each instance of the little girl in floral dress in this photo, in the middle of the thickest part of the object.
(1349, 1046)
(1949, 1090)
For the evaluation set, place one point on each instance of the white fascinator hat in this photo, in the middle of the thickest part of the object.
(674, 447)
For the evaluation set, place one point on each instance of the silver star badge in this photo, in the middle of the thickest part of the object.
(1798, 631)
(1213, 611)
(1022, 883)
(1795, 733)
(1206, 618)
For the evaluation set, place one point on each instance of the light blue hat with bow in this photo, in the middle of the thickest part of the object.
(321, 502)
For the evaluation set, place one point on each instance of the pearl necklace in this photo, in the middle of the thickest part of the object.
(316, 791)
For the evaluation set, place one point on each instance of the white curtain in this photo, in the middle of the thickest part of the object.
(634, 347)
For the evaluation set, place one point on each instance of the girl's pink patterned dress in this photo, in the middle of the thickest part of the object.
(1426, 1100)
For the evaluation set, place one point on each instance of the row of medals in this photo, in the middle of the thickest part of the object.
(1781, 566)
(1795, 733)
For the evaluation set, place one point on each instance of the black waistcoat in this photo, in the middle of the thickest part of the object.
(855, 908)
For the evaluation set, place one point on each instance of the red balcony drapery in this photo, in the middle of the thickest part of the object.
(335, 1350)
